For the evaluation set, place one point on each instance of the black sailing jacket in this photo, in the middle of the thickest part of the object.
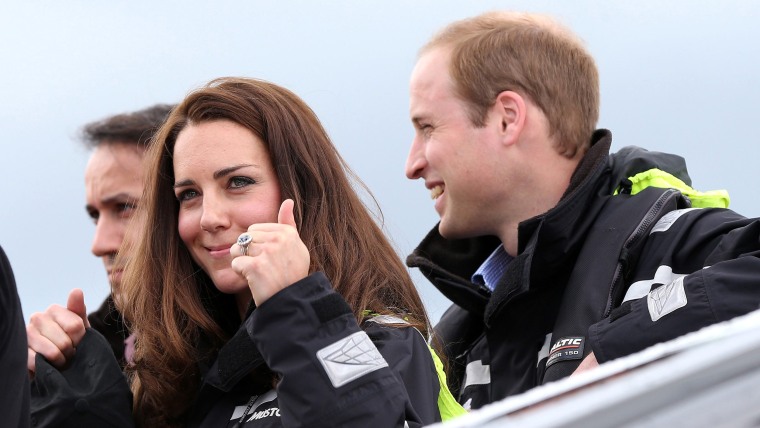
(332, 372)
(602, 273)
(14, 396)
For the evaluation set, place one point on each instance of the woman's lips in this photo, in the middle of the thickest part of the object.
(219, 250)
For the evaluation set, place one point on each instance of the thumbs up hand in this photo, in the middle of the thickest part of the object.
(276, 256)
(56, 332)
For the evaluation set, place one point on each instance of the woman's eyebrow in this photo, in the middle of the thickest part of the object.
(226, 171)
(217, 174)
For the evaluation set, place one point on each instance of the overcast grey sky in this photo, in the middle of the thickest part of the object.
(677, 76)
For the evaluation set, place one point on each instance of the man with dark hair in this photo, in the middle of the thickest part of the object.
(113, 186)
(556, 253)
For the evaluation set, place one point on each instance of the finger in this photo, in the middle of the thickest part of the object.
(48, 350)
(40, 342)
(285, 216)
(236, 250)
(264, 228)
(248, 268)
(588, 363)
(76, 304)
(30, 361)
(58, 325)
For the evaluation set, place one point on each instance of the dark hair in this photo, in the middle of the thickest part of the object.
(136, 127)
(164, 290)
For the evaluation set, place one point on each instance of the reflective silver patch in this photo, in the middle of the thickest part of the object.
(638, 289)
(477, 373)
(387, 319)
(666, 299)
(668, 219)
(350, 358)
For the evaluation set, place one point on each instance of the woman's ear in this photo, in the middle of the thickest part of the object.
(511, 111)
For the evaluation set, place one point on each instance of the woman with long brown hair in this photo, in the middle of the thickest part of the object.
(263, 292)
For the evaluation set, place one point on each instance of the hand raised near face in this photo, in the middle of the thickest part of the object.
(56, 332)
(276, 256)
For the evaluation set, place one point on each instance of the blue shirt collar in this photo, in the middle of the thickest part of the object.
(492, 269)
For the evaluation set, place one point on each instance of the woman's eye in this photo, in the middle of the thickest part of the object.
(186, 195)
(238, 182)
(126, 206)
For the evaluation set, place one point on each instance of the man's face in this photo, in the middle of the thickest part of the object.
(113, 184)
(454, 157)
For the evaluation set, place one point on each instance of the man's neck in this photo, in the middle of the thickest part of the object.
(509, 240)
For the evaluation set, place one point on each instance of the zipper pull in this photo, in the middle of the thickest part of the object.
(241, 421)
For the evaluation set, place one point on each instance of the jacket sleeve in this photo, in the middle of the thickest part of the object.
(333, 373)
(698, 267)
(14, 397)
(91, 391)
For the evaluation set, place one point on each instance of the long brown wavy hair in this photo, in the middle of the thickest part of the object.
(172, 304)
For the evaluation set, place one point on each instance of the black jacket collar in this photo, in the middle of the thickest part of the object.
(548, 241)
(547, 244)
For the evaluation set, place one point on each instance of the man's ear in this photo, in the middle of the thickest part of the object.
(511, 112)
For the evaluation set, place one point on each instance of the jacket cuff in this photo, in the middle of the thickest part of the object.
(636, 326)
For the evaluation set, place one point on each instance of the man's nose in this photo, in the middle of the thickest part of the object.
(109, 233)
(415, 161)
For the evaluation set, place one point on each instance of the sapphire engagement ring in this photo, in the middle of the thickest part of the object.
(243, 241)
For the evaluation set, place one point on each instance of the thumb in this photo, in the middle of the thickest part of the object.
(76, 304)
(285, 216)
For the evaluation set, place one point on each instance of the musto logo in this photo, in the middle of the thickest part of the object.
(566, 348)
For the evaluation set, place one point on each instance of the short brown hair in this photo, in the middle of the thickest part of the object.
(529, 54)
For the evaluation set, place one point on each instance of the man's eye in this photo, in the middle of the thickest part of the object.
(94, 215)
(186, 195)
(238, 182)
(126, 207)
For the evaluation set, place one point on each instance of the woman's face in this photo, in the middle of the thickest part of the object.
(224, 182)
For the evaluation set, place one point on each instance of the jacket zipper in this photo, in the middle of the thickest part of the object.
(241, 421)
(640, 231)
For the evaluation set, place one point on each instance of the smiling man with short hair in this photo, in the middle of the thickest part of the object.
(557, 254)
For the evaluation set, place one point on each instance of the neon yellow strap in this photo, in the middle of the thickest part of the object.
(447, 405)
(663, 180)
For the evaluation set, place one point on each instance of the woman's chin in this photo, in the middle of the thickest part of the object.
(230, 283)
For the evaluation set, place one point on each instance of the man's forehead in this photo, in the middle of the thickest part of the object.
(432, 66)
(115, 149)
(113, 178)
(114, 155)
(431, 85)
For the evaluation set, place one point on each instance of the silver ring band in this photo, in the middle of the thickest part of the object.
(243, 241)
